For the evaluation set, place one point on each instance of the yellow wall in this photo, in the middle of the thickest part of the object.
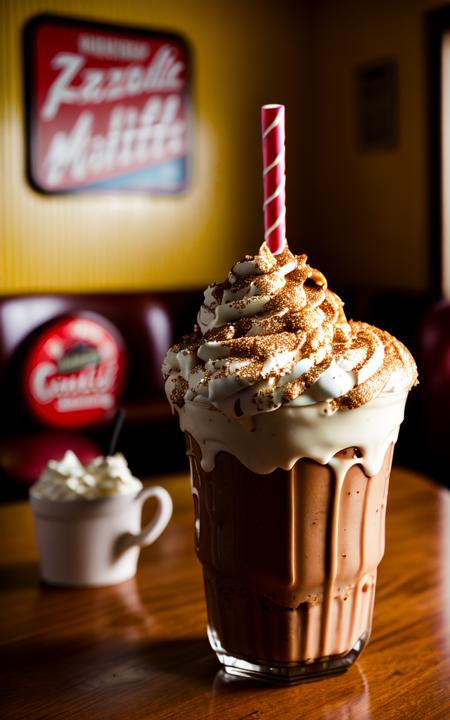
(368, 212)
(241, 53)
(362, 218)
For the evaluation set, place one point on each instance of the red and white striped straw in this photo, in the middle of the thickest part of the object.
(274, 177)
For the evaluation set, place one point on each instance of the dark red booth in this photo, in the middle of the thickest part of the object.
(148, 323)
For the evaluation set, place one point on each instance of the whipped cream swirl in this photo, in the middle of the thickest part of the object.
(273, 334)
(69, 479)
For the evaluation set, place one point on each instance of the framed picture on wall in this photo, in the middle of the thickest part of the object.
(107, 107)
(376, 105)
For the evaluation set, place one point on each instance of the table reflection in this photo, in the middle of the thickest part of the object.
(351, 697)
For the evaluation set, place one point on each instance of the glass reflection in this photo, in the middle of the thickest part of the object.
(350, 692)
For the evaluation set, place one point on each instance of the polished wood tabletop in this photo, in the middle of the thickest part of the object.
(139, 650)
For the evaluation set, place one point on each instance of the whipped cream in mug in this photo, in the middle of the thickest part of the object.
(88, 520)
(69, 479)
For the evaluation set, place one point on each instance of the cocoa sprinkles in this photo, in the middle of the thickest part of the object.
(300, 318)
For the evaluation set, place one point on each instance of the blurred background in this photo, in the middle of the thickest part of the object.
(102, 265)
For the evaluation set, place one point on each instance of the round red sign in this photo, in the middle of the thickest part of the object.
(74, 372)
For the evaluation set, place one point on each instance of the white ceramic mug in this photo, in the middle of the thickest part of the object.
(95, 542)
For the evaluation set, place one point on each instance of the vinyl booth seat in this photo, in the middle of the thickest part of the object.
(148, 323)
(434, 367)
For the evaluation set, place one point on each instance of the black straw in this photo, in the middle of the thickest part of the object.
(117, 427)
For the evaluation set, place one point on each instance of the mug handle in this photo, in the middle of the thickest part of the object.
(158, 523)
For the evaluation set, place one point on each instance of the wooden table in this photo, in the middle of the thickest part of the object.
(139, 650)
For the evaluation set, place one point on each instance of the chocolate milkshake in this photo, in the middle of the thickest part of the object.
(291, 414)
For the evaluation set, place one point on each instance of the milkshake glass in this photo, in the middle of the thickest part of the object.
(290, 415)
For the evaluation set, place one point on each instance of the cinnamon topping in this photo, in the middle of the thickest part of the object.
(273, 334)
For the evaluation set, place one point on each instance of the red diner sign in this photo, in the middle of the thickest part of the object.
(107, 107)
(75, 371)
